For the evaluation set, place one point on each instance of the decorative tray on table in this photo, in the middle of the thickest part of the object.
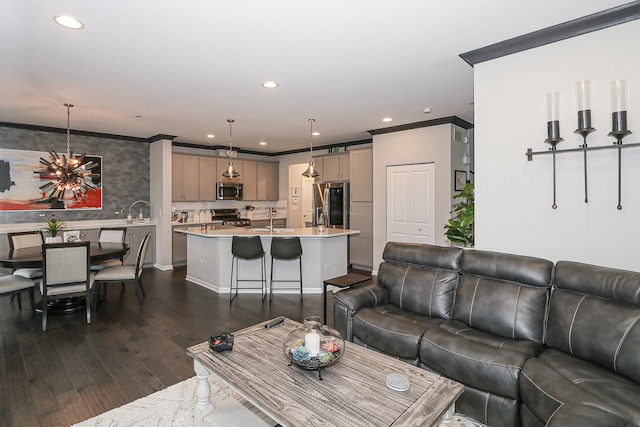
(314, 346)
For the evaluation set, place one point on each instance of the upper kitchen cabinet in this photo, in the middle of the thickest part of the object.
(336, 167)
(208, 178)
(185, 178)
(362, 181)
(317, 163)
(223, 165)
(268, 174)
(249, 180)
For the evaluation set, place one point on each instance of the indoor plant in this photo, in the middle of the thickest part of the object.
(460, 228)
(53, 226)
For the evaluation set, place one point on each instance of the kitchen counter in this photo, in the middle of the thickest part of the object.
(209, 257)
(76, 225)
(303, 233)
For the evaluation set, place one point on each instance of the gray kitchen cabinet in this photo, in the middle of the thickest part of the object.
(178, 248)
(267, 181)
(336, 167)
(207, 178)
(277, 223)
(249, 180)
(362, 179)
(361, 245)
(90, 234)
(318, 165)
(4, 247)
(184, 177)
(134, 238)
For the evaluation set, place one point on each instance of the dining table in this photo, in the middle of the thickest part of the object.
(32, 258)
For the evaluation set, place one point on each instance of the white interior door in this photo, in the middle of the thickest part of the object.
(411, 203)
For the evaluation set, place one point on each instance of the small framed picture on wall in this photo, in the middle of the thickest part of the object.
(459, 180)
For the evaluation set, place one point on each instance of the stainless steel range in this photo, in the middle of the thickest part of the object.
(230, 217)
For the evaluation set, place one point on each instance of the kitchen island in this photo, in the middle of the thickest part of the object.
(324, 255)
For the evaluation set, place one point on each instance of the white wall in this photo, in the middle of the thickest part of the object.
(514, 196)
(422, 145)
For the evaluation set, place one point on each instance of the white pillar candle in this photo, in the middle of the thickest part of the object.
(312, 342)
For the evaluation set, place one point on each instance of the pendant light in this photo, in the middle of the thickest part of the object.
(67, 173)
(311, 171)
(230, 172)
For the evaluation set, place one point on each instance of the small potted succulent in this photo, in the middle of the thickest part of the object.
(53, 226)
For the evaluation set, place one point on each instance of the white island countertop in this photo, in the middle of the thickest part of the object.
(209, 258)
(226, 231)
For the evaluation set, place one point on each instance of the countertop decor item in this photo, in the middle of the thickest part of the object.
(314, 346)
(53, 226)
(67, 173)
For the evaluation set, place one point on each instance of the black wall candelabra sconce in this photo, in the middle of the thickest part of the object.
(619, 130)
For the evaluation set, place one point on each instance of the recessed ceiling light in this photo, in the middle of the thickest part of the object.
(211, 135)
(315, 133)
(68, 22)
(387, 119)
(263, 143)
(270, 85)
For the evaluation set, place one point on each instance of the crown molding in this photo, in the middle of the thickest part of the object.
(597, 21)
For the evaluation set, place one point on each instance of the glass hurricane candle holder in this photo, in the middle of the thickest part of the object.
(314, 346)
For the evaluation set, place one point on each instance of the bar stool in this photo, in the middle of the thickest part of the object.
(286, 249)
(248, 249)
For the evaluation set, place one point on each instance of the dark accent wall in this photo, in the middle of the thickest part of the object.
(125, 171)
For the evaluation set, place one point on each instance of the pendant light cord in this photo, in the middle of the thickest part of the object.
(68, 129)
(311, 121)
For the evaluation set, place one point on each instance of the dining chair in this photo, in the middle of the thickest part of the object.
(126, 273)
(15, 285)
(65, 273)
(26, 239)
(110, 235)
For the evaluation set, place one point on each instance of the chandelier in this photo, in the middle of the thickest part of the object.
(231, 171)
(311, 171)
(67, 172)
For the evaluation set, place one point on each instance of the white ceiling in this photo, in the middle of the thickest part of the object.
(186, 66)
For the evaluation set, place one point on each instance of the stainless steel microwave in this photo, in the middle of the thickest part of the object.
(228, 191)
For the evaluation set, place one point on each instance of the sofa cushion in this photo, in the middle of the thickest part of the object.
(554, 379)
(476, 358)
(419, 255)
(392, 330)
(423, 290)
(503, 294)
(594, 314)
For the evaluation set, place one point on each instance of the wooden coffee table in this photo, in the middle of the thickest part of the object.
(353, 392)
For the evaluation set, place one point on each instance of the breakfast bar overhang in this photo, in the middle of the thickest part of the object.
(325, 255)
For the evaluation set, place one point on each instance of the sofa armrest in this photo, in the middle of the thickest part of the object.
(350, 301)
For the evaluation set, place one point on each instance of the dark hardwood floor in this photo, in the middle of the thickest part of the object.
(75, 370)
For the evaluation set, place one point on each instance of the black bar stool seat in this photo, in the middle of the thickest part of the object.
(286, 249)
(248, 249)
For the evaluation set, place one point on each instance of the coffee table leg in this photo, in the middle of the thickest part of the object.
(203, 407)
(447, 418)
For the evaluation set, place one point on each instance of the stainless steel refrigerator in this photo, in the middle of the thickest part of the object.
(332, 200)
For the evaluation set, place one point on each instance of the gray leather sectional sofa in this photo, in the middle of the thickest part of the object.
(534, 343)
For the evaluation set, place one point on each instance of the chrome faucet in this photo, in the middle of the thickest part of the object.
(146, 203)
(270, 217)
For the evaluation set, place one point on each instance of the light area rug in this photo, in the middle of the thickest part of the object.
(173, 407)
